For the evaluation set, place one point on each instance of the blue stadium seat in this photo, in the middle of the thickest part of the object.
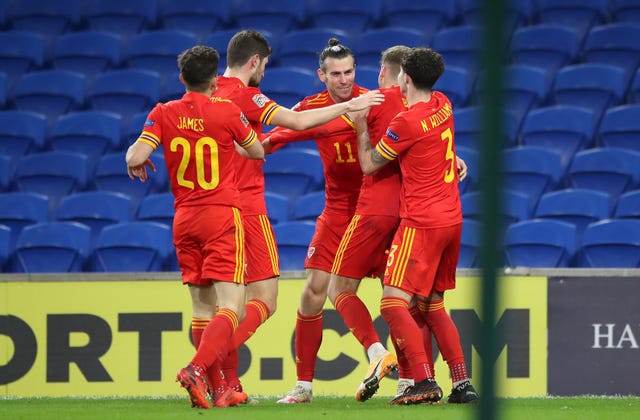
(50, 92)
(562, 128)
(6, 173)
(580, 15)
(540, 243)
(300, 48)
(468, 127)
(278, 17)
(157, 208)
(53, 174)
(132, 129)
(293, 172)
(52, 247)
(545, 46)
(367, 77)
(309, 206)
(516, 206)
(469, 242)
(3, 89)
(125, 92)
(614, 44)
(21, 132)
(87, 52)
(293, 241)
(425, 16)
(606, 169)
(592, 86)
(460, 46)
(351, 16)
(95, 209)
(620, 127)
(20, 53)
(132, 246)
(628, 205)
(369, 44)
(202, 17)
(18, 209)
(518, 13)
(470, 157)
(532, 170)
(634, 90)
(220, 40)
(611, 243)
(277, 207)
(45, 17)
(172, 88)
(124, 17)
(625, 11)
(6, 250)
(157, 50)
(577, 206)
(455, 82)
(92, 133)
(288, 86)
(111, 175)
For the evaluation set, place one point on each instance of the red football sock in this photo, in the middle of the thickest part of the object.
(357, 318)
(407, 335)
(197, 328)
(308, 340)
(448, 339)
(257, 313)
(215, 338)
(416, 313)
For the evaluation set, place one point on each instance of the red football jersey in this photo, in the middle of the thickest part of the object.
(338, 147)
(197, 135)
(422, 139)
(380, 192)
(259, 110)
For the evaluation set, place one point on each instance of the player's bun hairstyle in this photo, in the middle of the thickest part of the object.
(198, 65)
(424, 66)
(334, 50)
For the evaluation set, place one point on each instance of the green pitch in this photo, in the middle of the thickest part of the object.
(327, 408)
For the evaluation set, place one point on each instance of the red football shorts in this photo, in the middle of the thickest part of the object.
(261, 251)
(209, 244)
(422, 261)
(323, 247)
(364, 247)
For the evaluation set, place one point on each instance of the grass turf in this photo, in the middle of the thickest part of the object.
(583, 408)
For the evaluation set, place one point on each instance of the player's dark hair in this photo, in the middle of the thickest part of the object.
(424, 66)
(334, 50)
(392, 58)
(244, 45)
(198, 65)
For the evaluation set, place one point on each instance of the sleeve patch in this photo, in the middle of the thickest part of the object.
(393, 136)
(260, 100)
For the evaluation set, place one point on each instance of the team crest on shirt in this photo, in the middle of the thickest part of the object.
(149, 123)
(393, 136)
(244, 120)
(311, 251)
(259, 99)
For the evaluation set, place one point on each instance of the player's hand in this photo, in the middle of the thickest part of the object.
(267, 146)
(140, 172)
(371, 98)
(359, 118)
(462, 168)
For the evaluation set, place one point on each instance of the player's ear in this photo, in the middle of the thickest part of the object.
(322, 76)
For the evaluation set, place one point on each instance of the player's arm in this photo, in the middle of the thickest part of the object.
(370, 159)
(137, 159)
(313, 117)
(251, 150)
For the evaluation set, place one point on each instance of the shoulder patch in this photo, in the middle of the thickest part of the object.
(260, 99)
(149, 123)
(393, 136)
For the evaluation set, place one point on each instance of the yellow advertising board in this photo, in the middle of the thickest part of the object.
(129, 338)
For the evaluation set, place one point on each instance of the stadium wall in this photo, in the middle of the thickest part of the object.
(562, 332)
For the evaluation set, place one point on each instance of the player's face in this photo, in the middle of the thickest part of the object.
(258, 74)
(338, 76)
